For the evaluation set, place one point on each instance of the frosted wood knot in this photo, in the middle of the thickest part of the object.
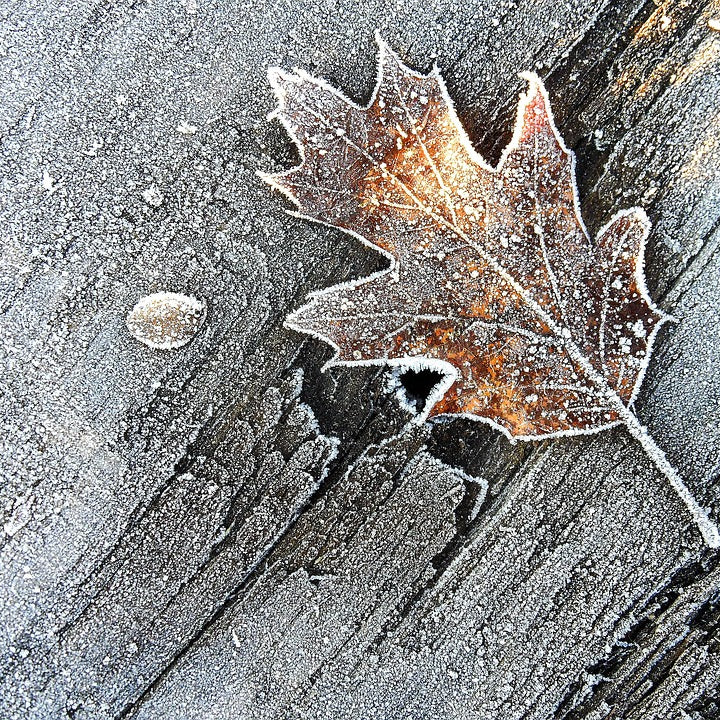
(164, 320)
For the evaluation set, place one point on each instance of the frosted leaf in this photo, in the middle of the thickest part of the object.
(164, 321)
(493, 278)
(493, 274)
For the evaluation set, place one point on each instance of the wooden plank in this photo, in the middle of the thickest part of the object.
(222, 530)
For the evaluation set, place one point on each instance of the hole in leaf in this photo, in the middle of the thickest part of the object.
(418, 384)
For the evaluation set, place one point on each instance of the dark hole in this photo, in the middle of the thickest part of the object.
(418, 385)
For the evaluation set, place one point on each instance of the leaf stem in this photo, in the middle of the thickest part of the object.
(708, 529)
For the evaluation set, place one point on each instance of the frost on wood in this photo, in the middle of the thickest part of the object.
(493, 279)
(166, 320)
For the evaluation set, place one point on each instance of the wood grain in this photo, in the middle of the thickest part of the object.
(223, 531)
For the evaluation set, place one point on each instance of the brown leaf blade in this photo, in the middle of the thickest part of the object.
(493, 279)
(492, 272)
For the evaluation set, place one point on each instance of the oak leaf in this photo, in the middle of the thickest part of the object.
(492, 279)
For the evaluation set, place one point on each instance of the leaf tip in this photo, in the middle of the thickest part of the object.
(276, 76)
(380, 41)
(640, 212)
(275, 182)
(640, 216)
(387, 57)
(533, 115)
(292, 321)
(279, 79)
(634, 218)
(532, 78)
(536, 87)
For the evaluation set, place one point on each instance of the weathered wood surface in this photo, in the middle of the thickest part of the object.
(222, 531)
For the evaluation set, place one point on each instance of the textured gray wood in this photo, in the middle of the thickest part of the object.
(221, 531)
